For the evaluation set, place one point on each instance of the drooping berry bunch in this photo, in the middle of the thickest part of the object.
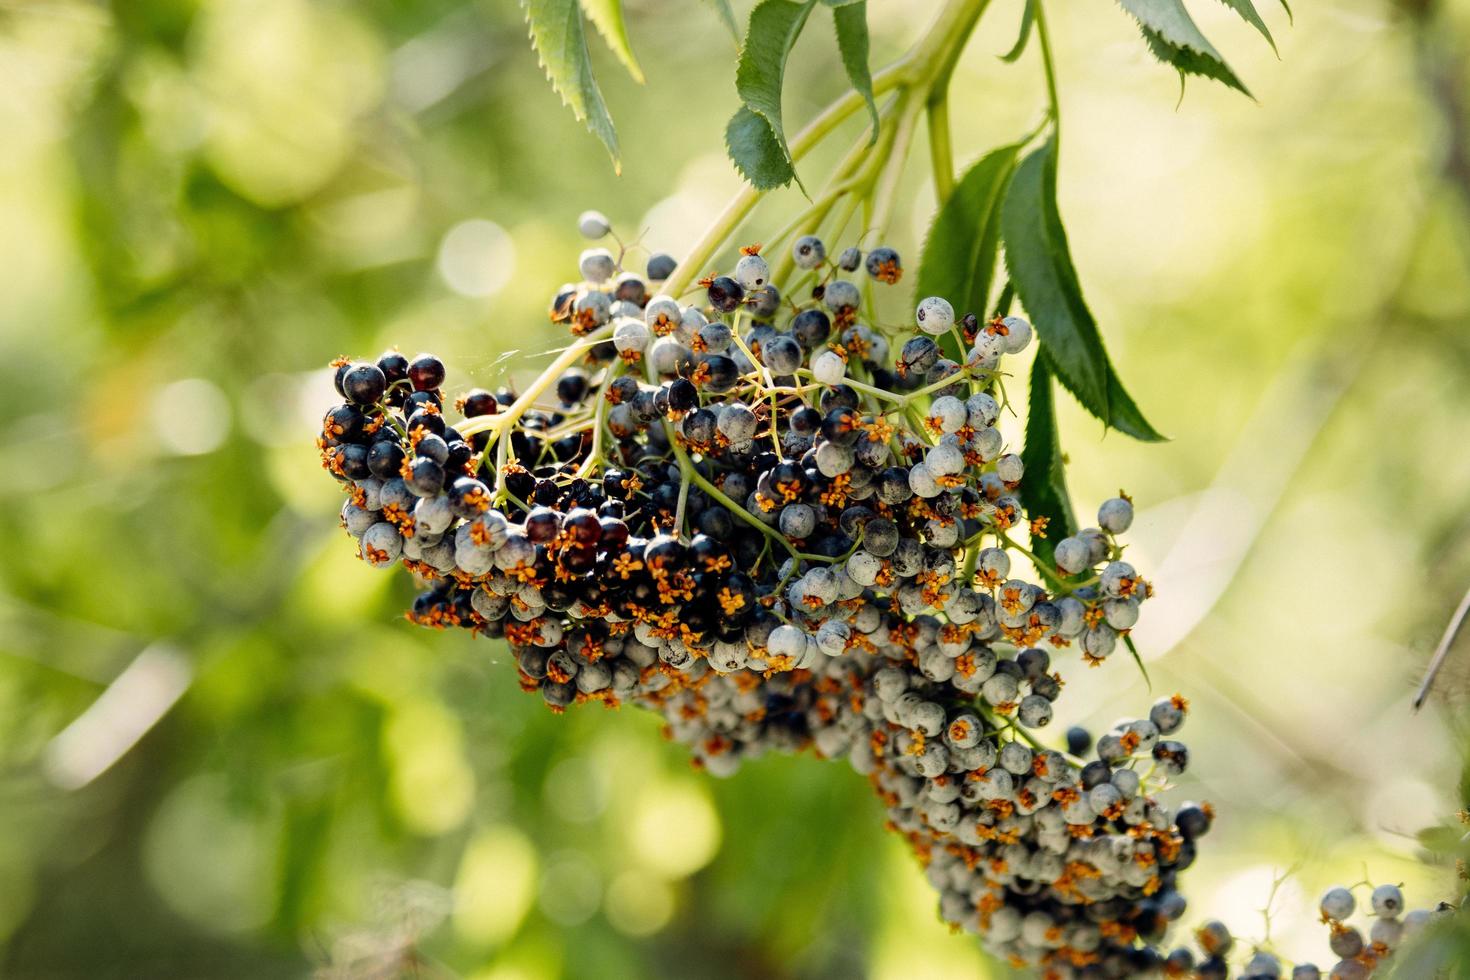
(786, 525)
(1358, 957)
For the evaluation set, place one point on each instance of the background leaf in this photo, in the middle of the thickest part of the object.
(1174, 39)
(607, 16)
(1247, 11)
(958, 260)
(774, 27)
(727, 16)
(1044, 490)
(561, 45)
(851, 21)
(1028, 17)
(1041, 269)
(755, 151)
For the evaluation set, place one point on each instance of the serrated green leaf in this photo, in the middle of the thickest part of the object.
(607, 17)
(1028, 17)
(1188, 62)
(560, 40)
(958, 260)
(842, 3)
(1044, 490)
(1247, 11)
(1004, 300)
(1125, 414)
(1137, 659)
(851, 21)
(774, 27)
(1041, 270)
(727, 16)
(754, 150)
(1174, 39)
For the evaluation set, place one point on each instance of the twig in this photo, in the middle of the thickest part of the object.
(1442, 651)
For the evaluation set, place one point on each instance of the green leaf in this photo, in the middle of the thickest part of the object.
(774, 28)
(1041, 270)
(958, 260)
(1175, 40)
(1044, 490)
(1003, 301)
(560, 40)
(727, 16)
(607, 16)
(1128, 642)
(755, 151)
(1247, 11)
(851, 21)
(1028, 17)
(842, 3)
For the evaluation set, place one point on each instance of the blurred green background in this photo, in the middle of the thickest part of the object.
(203, 202)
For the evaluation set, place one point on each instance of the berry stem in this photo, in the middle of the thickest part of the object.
(1043, 40)
(927, 65)
(589, 465)
(888, 179)
(499, 422)
(941, 153)
(735, 212)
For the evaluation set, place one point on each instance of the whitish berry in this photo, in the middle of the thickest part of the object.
(934, 315)
(1115, 516)
(1388, 901)
(1071, 555)
(841, 296)
(808, 251)
(631, 336)
(829, 368)
(593, 224)
(752, 272)
(597, 265)
(1338, 904)
(1017, 335)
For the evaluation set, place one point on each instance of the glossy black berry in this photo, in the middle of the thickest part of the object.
(364, 384)
(385, 458)
(478, 402)
(811, 328)
(426, 477)
(426, 372)
(683, 396)
(725, 294)
(571, 387)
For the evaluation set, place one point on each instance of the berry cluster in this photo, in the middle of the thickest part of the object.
(785, 525)
(1358, 957)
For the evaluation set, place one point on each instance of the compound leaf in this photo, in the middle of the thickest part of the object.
(560, 39)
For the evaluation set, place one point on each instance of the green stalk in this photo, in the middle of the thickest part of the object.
(501, 421)
(1048, 66)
